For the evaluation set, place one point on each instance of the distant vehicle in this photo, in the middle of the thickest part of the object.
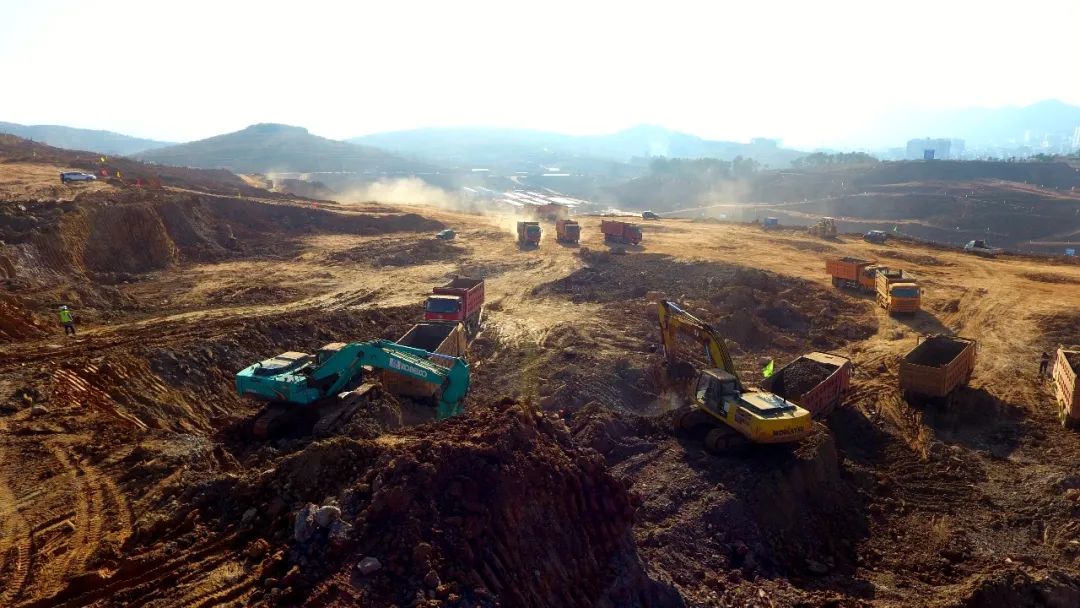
(446, 235)
(981, 248)
(876, 236)
(649, 215)
(567, 231)
(770, 223)
(620, 232)
(528, 234)
(76, 176)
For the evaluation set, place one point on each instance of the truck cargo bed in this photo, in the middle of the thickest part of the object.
(817, 382)
(937, 365)
(442, 338)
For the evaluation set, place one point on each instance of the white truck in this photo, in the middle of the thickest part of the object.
(981, 248)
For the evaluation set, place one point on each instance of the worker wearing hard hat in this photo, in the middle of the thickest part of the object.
(67, 320)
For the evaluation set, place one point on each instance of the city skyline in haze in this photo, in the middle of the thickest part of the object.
(834, 74)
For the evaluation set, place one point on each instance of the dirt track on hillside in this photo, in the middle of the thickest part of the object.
(563, 484)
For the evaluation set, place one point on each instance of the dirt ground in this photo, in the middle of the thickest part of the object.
(128, 475)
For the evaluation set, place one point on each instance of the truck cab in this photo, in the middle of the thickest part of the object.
(443, 308)
(904, 297)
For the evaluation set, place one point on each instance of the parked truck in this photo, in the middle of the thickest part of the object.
(528, 234)
(567, 231)
(936, 366)
(616, 231)
(898, 291)
(1066, 370)
(459, 301)
(437, 338)
(853, 273)
(817, 382)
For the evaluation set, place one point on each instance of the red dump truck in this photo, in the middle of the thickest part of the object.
(567, 231)
(459, 301)
(442, 338)
(621, 232)
(528, 234)
(936, 366)
(817, 382)
(1066, 369)
(852, 273)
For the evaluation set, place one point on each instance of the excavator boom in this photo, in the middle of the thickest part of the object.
(675, 320)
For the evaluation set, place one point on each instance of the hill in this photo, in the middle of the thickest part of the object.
(519, 149)
(71, 138)
(266, 148)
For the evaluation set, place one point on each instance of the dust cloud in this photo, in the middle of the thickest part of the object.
(404, 191)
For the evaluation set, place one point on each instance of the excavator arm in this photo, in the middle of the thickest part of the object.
(674, 321)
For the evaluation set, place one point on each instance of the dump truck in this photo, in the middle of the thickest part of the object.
(817, 382)
(459, 301)
(897, 291)
(437, 338)
(567, 231)
(528, 234)
(1066, 370)
(936, 366)
(853, 273)
(616, 231)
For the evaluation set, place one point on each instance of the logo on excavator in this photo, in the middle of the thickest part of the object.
(412, 369)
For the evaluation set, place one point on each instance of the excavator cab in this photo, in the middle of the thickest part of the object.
(714, 388)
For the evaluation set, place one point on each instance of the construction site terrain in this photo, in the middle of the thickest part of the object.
(129, 477)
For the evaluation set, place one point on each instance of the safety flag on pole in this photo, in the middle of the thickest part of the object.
(768, 371)
(102, 159)
(896, 228)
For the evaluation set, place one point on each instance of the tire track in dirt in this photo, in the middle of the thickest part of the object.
(16, 542)
(88, 491)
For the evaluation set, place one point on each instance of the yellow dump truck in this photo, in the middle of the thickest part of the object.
(898, 291)
(1067, 388)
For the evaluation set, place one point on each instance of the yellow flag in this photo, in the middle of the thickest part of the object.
(768, 371)
(117, 174)
(102, 159)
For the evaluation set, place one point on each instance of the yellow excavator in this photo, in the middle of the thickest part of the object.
(717, 396)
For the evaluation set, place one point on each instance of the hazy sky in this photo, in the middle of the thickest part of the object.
(810, 72)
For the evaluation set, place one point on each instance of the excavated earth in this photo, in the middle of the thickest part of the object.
(129, 475)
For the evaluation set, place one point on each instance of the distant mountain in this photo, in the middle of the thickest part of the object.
(70, 138)
(267, 148)
(1004, 126)
(526, 150)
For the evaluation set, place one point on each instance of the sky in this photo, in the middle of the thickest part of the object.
(811, 73)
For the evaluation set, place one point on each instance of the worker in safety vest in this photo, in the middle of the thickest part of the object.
(67, 320)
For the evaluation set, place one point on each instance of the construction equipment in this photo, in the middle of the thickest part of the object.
(824, 228)
(620, 232)
(442, 340)
(567, 231)
(329, 386)
(817, 382)
(446, 235)
(897, 291)
(853, 273)
(936, 366)
(528, 234)
(1067, 388)
(459, 301)
(719, 398)
(649, 215)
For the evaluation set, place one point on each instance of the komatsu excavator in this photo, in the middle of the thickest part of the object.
(717, 396)
(329, 386)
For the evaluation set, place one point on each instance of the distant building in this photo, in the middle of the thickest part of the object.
(930, 149)
(1076, 139)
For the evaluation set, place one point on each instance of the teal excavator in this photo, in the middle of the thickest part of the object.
(330, 385)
